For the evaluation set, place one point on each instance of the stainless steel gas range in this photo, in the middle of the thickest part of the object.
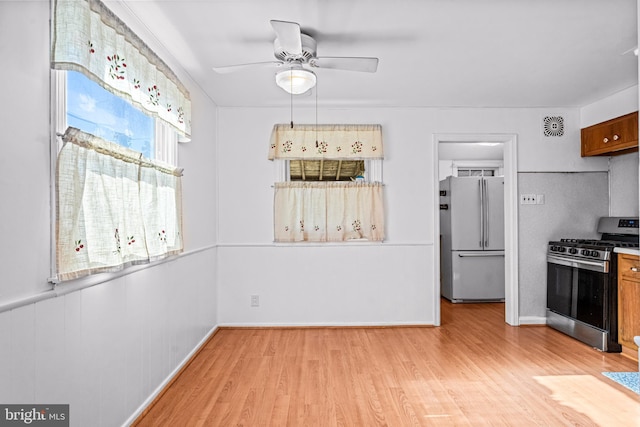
(582, 292)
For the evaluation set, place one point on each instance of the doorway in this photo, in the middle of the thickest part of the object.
(509, 144)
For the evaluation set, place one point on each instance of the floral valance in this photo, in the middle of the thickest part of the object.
(326, 142)
(89, 38)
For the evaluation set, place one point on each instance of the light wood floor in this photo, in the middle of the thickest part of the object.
(473, 370)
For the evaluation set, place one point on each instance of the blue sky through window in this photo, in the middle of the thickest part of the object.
(97, 111)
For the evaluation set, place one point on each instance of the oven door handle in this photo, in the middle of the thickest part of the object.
(602, 267)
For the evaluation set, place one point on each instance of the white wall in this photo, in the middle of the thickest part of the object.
(104, 349)
(616, 105)
(349, 284)
(573, 203)
(330, 284)
(623, 168)
(623, 178)
(24, 181)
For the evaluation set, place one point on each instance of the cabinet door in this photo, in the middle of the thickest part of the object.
(629, 315)
(615, 136)
(628, 300)
(594, 139)
(624, 132)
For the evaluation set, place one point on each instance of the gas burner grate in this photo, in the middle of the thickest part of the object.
(601, 243)
(581, 241)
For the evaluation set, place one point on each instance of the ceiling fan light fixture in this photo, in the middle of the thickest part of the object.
(296, 80)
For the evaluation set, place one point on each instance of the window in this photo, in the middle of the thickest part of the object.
(476, 172)
(129, 208)
(326, 170)
(118, 108)
(471, 168)
(85, 105)
(95, 110)
(328, 183)
(331, 170)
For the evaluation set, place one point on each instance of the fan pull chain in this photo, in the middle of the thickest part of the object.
(316, 91)
(291, 94)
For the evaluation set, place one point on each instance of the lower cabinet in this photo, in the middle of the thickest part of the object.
(628, 301)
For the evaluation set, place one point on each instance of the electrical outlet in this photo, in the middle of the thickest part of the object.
(528, 199)
(255, 300)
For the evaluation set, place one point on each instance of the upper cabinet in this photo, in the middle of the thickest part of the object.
(615, 136)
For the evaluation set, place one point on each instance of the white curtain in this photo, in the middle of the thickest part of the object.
(319, 212)
(114, 207)
(89, 38)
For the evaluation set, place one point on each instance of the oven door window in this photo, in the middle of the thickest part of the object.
(559, 288)
(591, 299)
(577, 293)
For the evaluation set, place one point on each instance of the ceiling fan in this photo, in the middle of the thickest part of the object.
(296, 53)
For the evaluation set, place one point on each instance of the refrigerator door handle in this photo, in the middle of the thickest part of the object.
(486, 216)
(481, 254)
(481, 190)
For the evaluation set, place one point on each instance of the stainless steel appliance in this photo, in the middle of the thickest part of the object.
(582, 293)
(472, 238)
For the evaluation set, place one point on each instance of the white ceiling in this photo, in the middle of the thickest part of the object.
(455, 53)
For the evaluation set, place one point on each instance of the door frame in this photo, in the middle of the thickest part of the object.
(510, 154)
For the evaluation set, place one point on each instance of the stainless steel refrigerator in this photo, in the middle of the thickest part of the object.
(472, 238)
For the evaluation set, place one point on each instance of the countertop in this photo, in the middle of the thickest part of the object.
(628, 251)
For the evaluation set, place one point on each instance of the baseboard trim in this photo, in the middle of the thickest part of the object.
(533, 320)
(322, 325)
(146, 406)
(630, 353)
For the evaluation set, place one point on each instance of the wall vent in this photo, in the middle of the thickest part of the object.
(553, 126)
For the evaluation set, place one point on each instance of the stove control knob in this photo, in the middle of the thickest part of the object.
(595, 253)
(573, 251)
(585, 252)
(562, 249)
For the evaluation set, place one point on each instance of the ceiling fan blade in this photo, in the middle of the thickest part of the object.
(368, 65)
(239, 67)
(288, 34)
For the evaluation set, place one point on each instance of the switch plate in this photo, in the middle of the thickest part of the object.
(255, 300)
(540, 199)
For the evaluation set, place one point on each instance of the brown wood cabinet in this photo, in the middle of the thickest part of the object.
(628, 301)
(615, 136)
